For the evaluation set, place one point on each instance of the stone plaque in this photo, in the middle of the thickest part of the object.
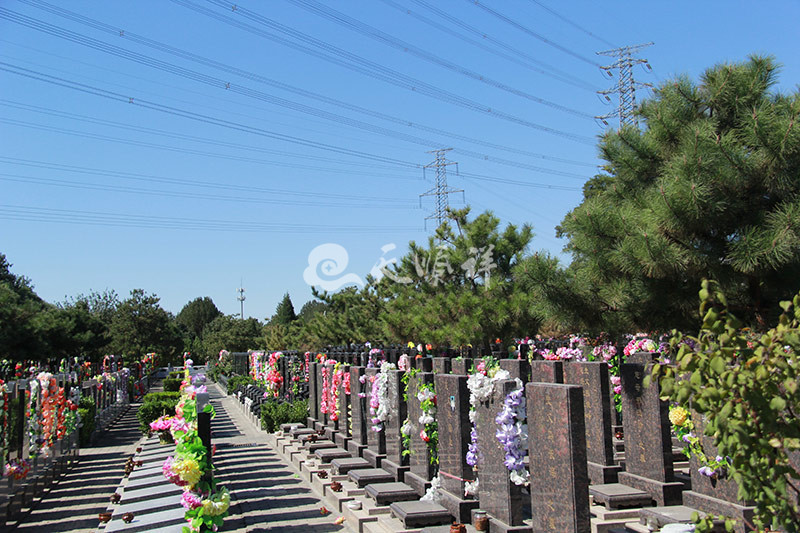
(547, 372)
(454, 429)
(557, 442)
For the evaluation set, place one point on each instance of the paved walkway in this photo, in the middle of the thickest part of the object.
(266, 494)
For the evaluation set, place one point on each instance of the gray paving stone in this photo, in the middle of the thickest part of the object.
(147, 522)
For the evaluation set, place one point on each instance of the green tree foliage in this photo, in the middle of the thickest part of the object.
(231, 333)
(708, 189)
(459, 289)
(140, 325)
(352, 315)
(192, 320)
(284, 313)
(102, 305)
(748, 388)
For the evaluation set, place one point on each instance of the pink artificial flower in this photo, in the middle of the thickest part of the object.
(190, 500)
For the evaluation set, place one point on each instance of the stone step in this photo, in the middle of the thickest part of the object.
(365, 476)
(387, 524)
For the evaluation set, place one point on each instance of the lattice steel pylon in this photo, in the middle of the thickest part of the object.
(440, 189)
(626, 85)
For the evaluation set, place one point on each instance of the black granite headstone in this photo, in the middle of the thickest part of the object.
(313, 399)
(359, 412)
(395, 462)
(499, 497)
(518, 368)
(648, 444)
(557, 448)
(376, 440)
(593, 377)
(461, 366)
(420, 458)
(547, 372)
(441, 365)
(454, 438)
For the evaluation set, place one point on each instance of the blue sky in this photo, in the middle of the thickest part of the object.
(185, 147)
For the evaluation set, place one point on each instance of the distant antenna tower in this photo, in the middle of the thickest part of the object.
(241, 299)
(626, 85)
(440, 190)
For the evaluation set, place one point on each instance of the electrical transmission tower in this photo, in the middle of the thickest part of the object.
(626, 85)
(440, 190)
(241, 299)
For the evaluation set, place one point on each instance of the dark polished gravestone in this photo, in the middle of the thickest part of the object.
(441, 365)
(424, 364)
(376, 440)
(421, 470)
(359, 412)
(499, 497)
(460, 366)
(518, 368)
(395, 462)
(322, 418)
(454, 438)
(648, 443)
(559, 485)
(342, 437)
(593, 377)
(313, 398)
(547, 372)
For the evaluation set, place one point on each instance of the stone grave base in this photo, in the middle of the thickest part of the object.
(364, 477)
(459, 508)
(617, 495)
(341, 440)
(346, 464)
(719, 507)
(397, 470)
(373, 457)
(602, 474)
(663, 493)
(386, 493)
(356, 449)
(419, 483)
(420, 514)
(657, 517)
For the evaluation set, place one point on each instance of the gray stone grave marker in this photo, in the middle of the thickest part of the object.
(499, 497)
(395, 463)
(420, 459)
(557, 447)
(547, 372)
(593, 377)
(454, 438)
(460, 366)
(358, 412)
(518, 368)
(441, 365)
(648, 443)
(376, 440)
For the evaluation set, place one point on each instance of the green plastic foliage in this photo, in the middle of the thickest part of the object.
(746, 386)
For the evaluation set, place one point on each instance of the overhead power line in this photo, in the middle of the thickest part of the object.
(373, 33)
(222, 83)
(516, 56)
(626, 85)
(142, 220)
(339, 56)
(572, 23)
(532, 33)
(96, 91)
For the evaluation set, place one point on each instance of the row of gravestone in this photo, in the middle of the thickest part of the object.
(570, 445)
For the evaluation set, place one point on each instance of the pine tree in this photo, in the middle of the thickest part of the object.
(708, 189)
(284, 313)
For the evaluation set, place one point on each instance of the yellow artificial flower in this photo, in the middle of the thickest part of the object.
(678, 416)
(188, 470)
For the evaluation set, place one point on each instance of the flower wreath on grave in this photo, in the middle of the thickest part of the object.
(17, 469)
(481, 386)
(429, 431)
(34, 425)
(513, 434)
(379, 398)
(336, 380)
(273, 376)
(684, 429)
(4, 412)
(206, 504)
